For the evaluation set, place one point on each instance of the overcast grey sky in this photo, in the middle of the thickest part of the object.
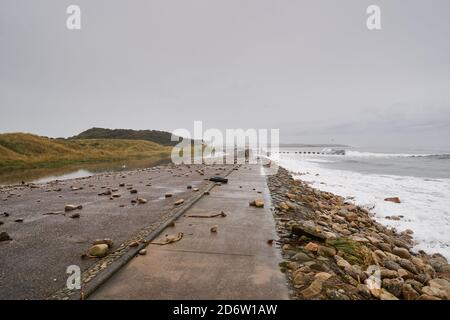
(308, 67)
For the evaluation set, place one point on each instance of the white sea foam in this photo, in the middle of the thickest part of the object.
(425, 202)
(362, 154)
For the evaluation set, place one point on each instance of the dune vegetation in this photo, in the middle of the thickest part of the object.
(27, 151)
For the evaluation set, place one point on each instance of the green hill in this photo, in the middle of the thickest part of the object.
(160, 137)
(27, 151)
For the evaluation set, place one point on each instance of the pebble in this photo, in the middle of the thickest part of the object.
(98, 250)
(71, 207)
(178, 202)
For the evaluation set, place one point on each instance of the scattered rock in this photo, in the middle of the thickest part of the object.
(394, 199)
(133, 191)
(178, 202)
(258, 203)
(75, 215)
(106, 241)
(142, 252)
(134, 244)
(19, 220)
(4, 236)
(141, 200)
(214, 228)
(71, 207)
(168, 195)
(98, 251)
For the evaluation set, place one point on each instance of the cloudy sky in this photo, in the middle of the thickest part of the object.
(308, 67)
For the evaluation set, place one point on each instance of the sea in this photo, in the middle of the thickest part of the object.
(366, 176)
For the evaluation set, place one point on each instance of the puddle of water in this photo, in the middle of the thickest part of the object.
(44, 175)
(81, 173)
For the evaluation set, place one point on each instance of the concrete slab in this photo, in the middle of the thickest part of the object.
(234, 263)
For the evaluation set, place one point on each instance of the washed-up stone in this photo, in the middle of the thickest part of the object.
(105, 193)
(258, 203)
(106, 241)
(141, 200)
(98, 250)
(4, 236)
(75, 215)
(71, 207)
(133, 191)
(178, 202)
(168, 195)
(134, 244)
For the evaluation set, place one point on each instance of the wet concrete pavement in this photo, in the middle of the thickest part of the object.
(33, 265)
(235, 263)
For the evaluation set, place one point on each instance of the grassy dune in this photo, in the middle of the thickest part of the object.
(20, 151)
